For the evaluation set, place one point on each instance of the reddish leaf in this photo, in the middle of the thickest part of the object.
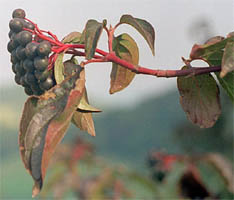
(199, 98)
(126, 48)
(44, 127)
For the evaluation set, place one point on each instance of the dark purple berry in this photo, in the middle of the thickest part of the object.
(28, 91)
(31, 50)
(28, 65)
(25, 37)
(16, 25)
(20, 53)
(41, 63)
(44, 48)
(17, 78)
(47, 84)
(18, 13)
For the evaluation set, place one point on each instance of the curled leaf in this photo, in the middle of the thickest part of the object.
(126, 48)
(143, 27)
(199, 98)
(84, 105)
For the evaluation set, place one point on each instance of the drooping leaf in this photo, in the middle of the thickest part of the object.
(228, 59)
(84, 121)
(59, 68)
(30, 108)
(125, 48)
(143, 27)
(199, 98)
(73, 37)
(84, 105)
(90, 36)
(44, 128)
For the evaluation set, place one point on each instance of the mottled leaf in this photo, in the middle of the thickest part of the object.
(84, 121)
(228, 59)
(203, 51)
(199, 98)
(91, 35)
(73, 37)
(30, 108)
(59, 68)
(44, 127)
(125, 48)
(143, 27)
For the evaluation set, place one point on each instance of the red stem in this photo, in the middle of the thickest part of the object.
(161, 73)
(111, 57)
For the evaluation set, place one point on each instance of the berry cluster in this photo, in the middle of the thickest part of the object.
(29, 56)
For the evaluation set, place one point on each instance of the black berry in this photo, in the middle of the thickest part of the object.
(28, 65)
(47, 84)
(25, 37)
(18, 13)
(31, 50)
(41, 75)
(41, 63)
(30, 78)
(28, 91)
(20, 53)
(44, 48)
(17, 78)
(16, 25)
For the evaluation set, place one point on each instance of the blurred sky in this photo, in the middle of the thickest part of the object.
(173, 21)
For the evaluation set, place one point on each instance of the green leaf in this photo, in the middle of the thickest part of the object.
(228, 59)
(73, 37)
(215, 59)
(43, 128)
(227, 84)
(91, 35)
(199, 98)
(143, 27)
(59, 68)
(205, 50)
(125, 48)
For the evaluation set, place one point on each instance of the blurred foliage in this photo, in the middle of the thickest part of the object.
(125, 137)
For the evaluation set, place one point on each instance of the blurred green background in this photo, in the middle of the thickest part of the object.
(124, 137)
